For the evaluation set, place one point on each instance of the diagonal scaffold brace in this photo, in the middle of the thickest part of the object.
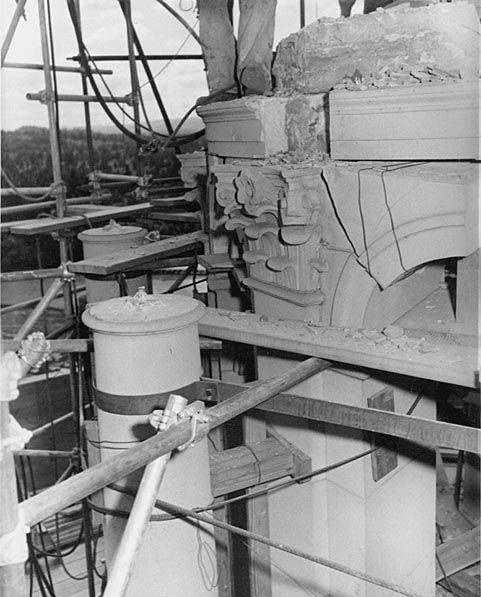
(56, 498)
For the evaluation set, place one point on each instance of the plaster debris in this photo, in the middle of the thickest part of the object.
(389, 341)
(404, 75)
(443, 37)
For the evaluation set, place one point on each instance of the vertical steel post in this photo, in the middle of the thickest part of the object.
(85, 91)
(133, 74)
(60, 191)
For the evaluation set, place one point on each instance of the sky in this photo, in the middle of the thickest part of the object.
(180, 84)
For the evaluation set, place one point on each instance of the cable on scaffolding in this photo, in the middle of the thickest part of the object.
(168, 63)
(176, 15)
(17, 191)
(84, 61)
(148, 73)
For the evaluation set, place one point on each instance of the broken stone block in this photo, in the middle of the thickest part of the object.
(397, 217)
(444, 36)
(260, 127)
(193, 168)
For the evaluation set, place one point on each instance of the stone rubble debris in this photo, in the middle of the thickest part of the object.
(390, 339)
(388, 77)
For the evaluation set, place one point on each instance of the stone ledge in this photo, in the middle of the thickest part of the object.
(260, 127)
(417, 122)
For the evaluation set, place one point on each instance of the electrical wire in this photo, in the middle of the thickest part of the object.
(181, 20)
(84, 62)
(181, 512)
(20, 194)
(168, 63)
(197, 514)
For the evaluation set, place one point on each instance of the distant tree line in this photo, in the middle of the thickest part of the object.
(27, 162)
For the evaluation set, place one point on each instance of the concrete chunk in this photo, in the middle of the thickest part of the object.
(444, 36)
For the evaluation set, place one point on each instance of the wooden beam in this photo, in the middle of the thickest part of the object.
(463, 584)
(138, 257)
(409, 427)
(46, 225)
(458, 553)
(249, 466)
(448, 362)
(177, 216)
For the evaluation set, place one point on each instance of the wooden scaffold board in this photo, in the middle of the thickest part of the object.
(138, 257)
(436, 359)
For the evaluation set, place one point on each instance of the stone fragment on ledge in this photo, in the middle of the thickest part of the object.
(444, 36)
(260, 127)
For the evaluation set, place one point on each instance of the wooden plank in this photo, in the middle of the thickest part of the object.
(467, 291)
(138, 257)
(45, 225)
(176, 216)
(458, 553)
(249, 466)
(83, 208)
(255, 430)
(464, 584)
(409, 427)
(223, 539)
(448, 362)
(7, 226)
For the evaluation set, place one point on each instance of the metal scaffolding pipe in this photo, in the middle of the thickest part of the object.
(15, 209)
(42, 98)
(12, 28)
(124, 57)
(80, 486)
(35, 274)
(7, 192)
(42, 306)
(116, 177)
(59, 69)
(31, 302)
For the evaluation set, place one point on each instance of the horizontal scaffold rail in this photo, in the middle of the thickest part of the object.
(409, 427)
(7, 192)
(62, 495)
(62, 97)
(29, 207)
(125, 57)
(438, 360)
(59, 69)
(46, 225)
(66, 345)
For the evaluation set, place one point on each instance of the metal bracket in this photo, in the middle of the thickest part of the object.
(384, 459)
(199, 422)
